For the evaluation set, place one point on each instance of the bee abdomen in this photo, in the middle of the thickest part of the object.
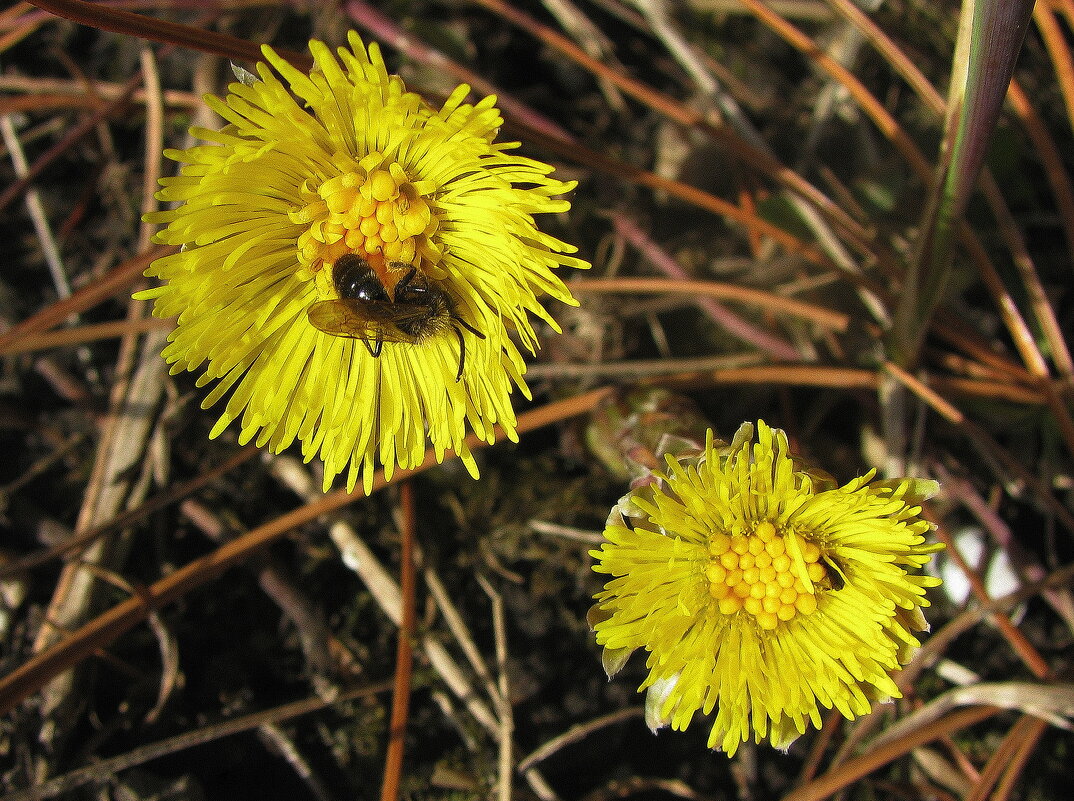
(354, 279)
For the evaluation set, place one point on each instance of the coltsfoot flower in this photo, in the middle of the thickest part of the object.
(761, 589)
(431, 224)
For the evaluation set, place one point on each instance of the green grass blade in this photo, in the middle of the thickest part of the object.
(990, 38)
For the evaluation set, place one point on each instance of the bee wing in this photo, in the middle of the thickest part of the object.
(342, 318)
(368, 320)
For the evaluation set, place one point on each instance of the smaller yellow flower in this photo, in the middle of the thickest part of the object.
(762, 590)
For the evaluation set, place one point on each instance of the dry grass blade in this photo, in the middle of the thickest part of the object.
(1034, 288)
(80, 335)
(1018, 641)
(119, 279)
(870, 104)
(502, 696)
(1054, 171)
(1052, 162)
(36, 211)
(131, 516)
(704, 200)
(459, 630)
(46, 93)
(987, 444)
(579, 732)
(1025, 741)
(105, 768)
(119, 478)
(854, 769)
(684, 115)
(1011, 753)
(1052, 702)
(120, 21)
(777, 304)
(1059, 50)
(763, 340)
(29, 677)
(649, 371)
(82, 129)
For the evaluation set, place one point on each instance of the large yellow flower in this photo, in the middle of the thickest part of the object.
(761, 589)
(431, 219)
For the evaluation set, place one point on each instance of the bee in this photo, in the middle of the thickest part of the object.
(416, 312)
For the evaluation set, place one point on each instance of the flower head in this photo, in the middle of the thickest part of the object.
(344, 171)
(761, 589)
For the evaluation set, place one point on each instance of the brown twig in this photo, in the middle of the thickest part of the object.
(80, 335)
(404, 652)
(854, 769)
(130, 516)
(777, 304)
(158, 30)
(979, 437)
(118, 279)
(723, 317)
(1026, 728)
(104, 768)
(1029, 655)
(19, 186)
(33, 674)
(1025, 740)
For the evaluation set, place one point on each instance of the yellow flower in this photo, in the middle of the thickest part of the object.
(428, 216)
(762, 590)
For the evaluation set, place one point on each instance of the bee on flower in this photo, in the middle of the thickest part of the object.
(358, 268)
(761, 589)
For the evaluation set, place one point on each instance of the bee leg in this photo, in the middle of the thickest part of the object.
(373, 347)
(404, 282)
(462, 353)
(469, 328)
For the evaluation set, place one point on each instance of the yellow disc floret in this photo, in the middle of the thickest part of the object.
(772, 576)
(373, 210)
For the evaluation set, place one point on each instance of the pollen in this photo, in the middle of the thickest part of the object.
(373, 210)
(770, 575)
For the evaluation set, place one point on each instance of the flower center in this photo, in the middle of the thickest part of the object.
(771, 576)
(374, 211)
